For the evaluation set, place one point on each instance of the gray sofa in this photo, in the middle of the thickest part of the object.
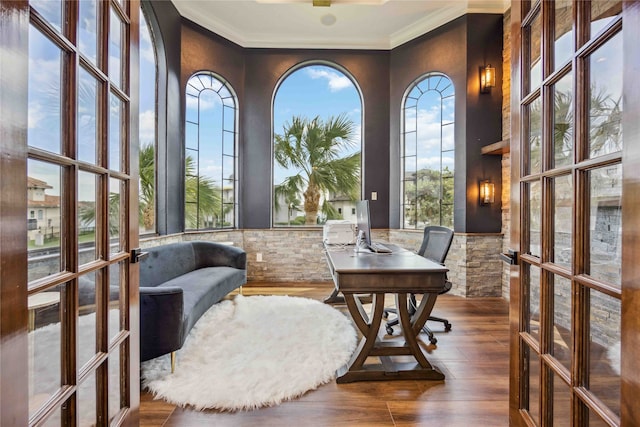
(179, 282)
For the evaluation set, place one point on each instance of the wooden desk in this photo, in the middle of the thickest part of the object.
(401, 273)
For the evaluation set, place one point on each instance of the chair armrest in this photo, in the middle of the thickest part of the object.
(211, 254)
(161, 314)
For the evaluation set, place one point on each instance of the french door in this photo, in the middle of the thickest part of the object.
(574, 150)
(68, 305)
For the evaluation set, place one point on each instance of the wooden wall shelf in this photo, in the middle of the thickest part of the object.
(497, 148)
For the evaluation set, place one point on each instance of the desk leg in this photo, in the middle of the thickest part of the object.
(372, 345)
(409, 327)
(368, 329)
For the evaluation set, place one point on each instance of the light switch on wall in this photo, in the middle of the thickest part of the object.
(374, 195)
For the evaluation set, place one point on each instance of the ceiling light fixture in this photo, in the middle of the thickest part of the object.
(322, 3)
(328, 19)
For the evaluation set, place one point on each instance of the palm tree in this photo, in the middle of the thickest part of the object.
(147, 186)
(203, 199)
(313, 148)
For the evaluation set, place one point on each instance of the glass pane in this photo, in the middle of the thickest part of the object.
(88, 29)
(147, 131)
(535, 64)
(605, 98)
(87, 407)
(51, 11)
(44, 88)
(228, 163)
(147, 202)
(535, 203)
(116, 216)
(55, 419)
(563, 47)
(604, 349)
(410, 166)
(534, 113)
(229, 118)
(563, 121)
(191, 136)
(191, 215)
(534, 302)
(410, 144)
(43, 219)
(448, 110)
(562, 220)
(116, 125)
(605, 225)
(191, 162)
(534, 386)
(115, 49)
(114, 383)
(44, 337)
(87, 220)
(561, 403)
(192, 106)
(410, 118)
(116, 272)
(596, 421)
(87, 317)
(448, 141)
(562, 344)
(87, 112)
(602, 13)
(229, 140)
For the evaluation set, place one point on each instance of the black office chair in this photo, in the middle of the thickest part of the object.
(435, 246)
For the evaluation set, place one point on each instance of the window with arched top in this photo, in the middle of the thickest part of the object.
(428, 152)
(148, 132)
(317, 144)
(210, 153)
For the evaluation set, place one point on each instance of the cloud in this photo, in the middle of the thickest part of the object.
(147, 126)
(336, 80)
(206, 102)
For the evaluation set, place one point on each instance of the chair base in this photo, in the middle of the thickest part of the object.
(412, 309)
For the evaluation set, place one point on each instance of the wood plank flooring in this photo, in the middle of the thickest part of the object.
(474, 356)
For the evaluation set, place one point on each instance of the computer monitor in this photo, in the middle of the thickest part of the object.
(363, 222)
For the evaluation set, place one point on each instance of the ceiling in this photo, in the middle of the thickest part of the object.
(346, 24)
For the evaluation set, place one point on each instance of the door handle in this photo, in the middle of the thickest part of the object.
(137, 255)
(511, 257)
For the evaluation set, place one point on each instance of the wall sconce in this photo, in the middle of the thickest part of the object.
(487, 192)
(487, 78)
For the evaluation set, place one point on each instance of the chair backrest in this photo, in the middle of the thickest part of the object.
(436, 243)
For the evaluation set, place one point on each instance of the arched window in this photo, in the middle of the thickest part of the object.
(428, 152)
(210, 153)
(148, 130)
(317, 137)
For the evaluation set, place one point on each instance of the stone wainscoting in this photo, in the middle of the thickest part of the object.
(296, 255)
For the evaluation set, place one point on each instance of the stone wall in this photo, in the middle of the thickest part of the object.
(296, 255)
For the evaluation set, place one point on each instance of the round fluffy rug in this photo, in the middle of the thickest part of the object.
(255, 351)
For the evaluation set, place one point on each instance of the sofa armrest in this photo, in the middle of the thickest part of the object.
(161, 318)
(211, 254)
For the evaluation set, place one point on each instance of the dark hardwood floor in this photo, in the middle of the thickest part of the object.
(474, 356)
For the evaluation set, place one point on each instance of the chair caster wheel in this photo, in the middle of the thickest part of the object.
(389, 330)
(385, 315)
(433, 340)
(447, 326)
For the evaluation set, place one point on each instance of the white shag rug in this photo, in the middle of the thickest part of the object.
(252, 352)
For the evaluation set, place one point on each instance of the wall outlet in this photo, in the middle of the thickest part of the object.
(259, 257)
(374, 195)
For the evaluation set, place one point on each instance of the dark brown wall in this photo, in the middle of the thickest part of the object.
(166, 24)
(456, 49)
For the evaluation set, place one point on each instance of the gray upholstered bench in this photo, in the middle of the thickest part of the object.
(179, 282)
